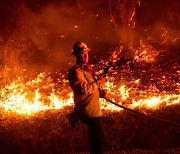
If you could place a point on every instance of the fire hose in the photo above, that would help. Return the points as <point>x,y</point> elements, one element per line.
<point>142,114</point>
<point>73,119</point>
<point>106,70</point>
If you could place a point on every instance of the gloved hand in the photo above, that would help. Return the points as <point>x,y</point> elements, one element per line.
<point>102,93</point>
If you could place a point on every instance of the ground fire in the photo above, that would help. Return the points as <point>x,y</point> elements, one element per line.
<point>143,72</point>
<point>43,93</point>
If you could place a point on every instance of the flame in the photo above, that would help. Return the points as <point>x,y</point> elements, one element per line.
<point>26,98</point>
<point>157,101</point>
<point>43,93</point>
<point>145,53</point>
<point>150,98</point>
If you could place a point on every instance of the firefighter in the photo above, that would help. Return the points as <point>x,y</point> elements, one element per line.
<point>87,91</point>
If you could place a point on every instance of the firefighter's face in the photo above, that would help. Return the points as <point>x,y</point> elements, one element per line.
<point>83,57</point>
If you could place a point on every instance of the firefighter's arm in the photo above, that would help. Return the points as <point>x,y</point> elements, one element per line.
<point>82,84</point>
<point>100,83</point>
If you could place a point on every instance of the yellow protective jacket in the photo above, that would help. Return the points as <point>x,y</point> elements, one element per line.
<point>86,93</point>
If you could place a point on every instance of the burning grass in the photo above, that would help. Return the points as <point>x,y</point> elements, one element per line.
<point>33,110</point>
<point>146,79</point>
<point>33,115</point>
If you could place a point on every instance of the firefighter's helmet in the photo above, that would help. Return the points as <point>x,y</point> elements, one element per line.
<point>79,47</point>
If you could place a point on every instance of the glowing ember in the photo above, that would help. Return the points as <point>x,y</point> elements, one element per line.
<point>34,96</point>
<point>28,98</point>
<point>46,93</point>
<point>124,92</point>
<point>157,101</point>
<point>145,53</point>
<point>150,98</point>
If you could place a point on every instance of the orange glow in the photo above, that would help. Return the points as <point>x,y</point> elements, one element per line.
<point>26,98</point>
<point>145,53</point>
<point>32,97</point>
<point>41,93</point>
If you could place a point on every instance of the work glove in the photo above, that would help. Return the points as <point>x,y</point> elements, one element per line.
<point>102,93</point>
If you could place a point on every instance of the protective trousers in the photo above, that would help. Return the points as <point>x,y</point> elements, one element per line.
<point>97,133</point>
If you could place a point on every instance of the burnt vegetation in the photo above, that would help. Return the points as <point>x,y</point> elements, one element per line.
<point>37,36</point>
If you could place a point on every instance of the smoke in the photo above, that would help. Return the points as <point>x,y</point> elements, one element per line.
<point>42,34</point>
<point>39,35</point>
<point>154,18</point>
